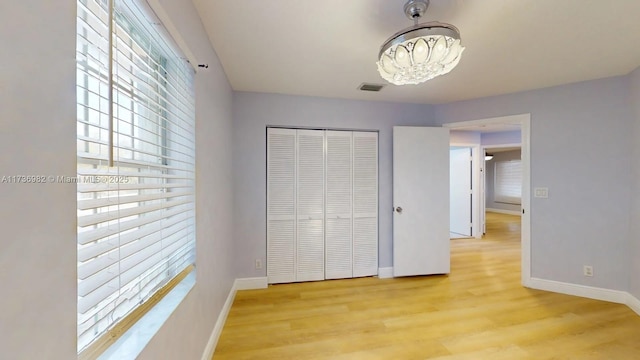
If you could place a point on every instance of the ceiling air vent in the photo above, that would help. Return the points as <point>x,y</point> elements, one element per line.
<point>370,87</point>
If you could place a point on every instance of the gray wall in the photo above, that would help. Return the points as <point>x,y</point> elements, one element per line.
<point>581,141</point>
<point>253,112</point>
<point>464,137</point>
<point>37,136</point>
<point>38,221</point>
<point>185,334</point>
<point>501,138</point>
<point>490,181</point>
<point>635,189</point>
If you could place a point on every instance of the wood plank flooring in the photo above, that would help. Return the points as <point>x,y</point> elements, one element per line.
<point>479,311</point>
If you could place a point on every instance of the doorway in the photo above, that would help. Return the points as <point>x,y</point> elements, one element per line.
<point>504,124</point>
<point>460,192</point>
<point>503,179</point>
<point>503,185</point>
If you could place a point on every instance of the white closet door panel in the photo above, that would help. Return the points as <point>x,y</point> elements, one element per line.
<point>339,201</point>
<point>339,249</point>
<point>281,212</point>
<point>365,203</point>
<point>281,251</point>
<point>310,201</point>
<point>310,250</point>
<point>365,249</point>
<point>339,167</point>
<point>365,173</point>
<point>310,205</point>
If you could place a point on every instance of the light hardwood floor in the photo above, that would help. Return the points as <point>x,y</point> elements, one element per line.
<point>479,311</point>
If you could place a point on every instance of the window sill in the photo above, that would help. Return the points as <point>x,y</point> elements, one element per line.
<point>132,342</point>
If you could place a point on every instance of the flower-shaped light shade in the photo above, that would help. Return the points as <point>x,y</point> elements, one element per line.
<point>420,53</point>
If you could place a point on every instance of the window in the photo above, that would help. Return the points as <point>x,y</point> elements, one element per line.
<point>136,163</point>
<point>508,182</point>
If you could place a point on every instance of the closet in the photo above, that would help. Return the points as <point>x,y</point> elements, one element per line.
<point>322,204</point>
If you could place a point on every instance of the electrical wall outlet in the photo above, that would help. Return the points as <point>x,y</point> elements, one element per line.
<point>588,270</point>
<point>258,264</point>
<point>541,192</point>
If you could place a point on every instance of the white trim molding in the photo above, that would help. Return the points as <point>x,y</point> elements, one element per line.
<point>615,296</point>
<point>590,292</point>
<point>238,284</point>
<point>251,283</point>
<point>217,329</point>
<point>633,303</point>
<point>385,273</point>
<point>501,211</point>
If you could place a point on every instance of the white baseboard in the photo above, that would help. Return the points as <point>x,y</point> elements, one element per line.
<point>590,292</point>
<point>251,283</point>
<point>633,303</point>
<point>501,211</point>
<point>615,296</point>
<point>385,273</point>
<point>238,284</point>
<point>217,329</point>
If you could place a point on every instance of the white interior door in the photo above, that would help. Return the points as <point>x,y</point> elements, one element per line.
<point>460,192</point>
<point>421,201</point>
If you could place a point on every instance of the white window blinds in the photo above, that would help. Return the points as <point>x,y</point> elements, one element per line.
<point>508,182</point>
<point>136,219</point>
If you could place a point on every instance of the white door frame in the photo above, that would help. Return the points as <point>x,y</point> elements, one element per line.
<point>475,185</point>
<point>524,120</point>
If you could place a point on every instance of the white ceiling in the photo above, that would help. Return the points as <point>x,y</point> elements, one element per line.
<point>327,48</point>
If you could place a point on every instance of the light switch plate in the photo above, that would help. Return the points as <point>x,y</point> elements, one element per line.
<point>541,192</point>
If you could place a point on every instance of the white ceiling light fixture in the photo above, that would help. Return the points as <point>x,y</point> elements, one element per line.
<point>420,52</point>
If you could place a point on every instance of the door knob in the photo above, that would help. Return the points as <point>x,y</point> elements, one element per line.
<point>399,210</point>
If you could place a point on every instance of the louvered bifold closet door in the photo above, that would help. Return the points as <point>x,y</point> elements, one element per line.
<point>281,205</point>
<point>365,203</point>
<point>338,210</point>
<point>310,205</point>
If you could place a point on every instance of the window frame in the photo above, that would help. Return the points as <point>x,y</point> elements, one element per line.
<point>167,154</point>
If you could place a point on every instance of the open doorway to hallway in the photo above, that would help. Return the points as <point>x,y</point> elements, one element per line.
<point>514,131</point>
<point>502,182</point>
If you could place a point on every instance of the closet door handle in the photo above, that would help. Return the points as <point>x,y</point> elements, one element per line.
<point>399,210</point>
